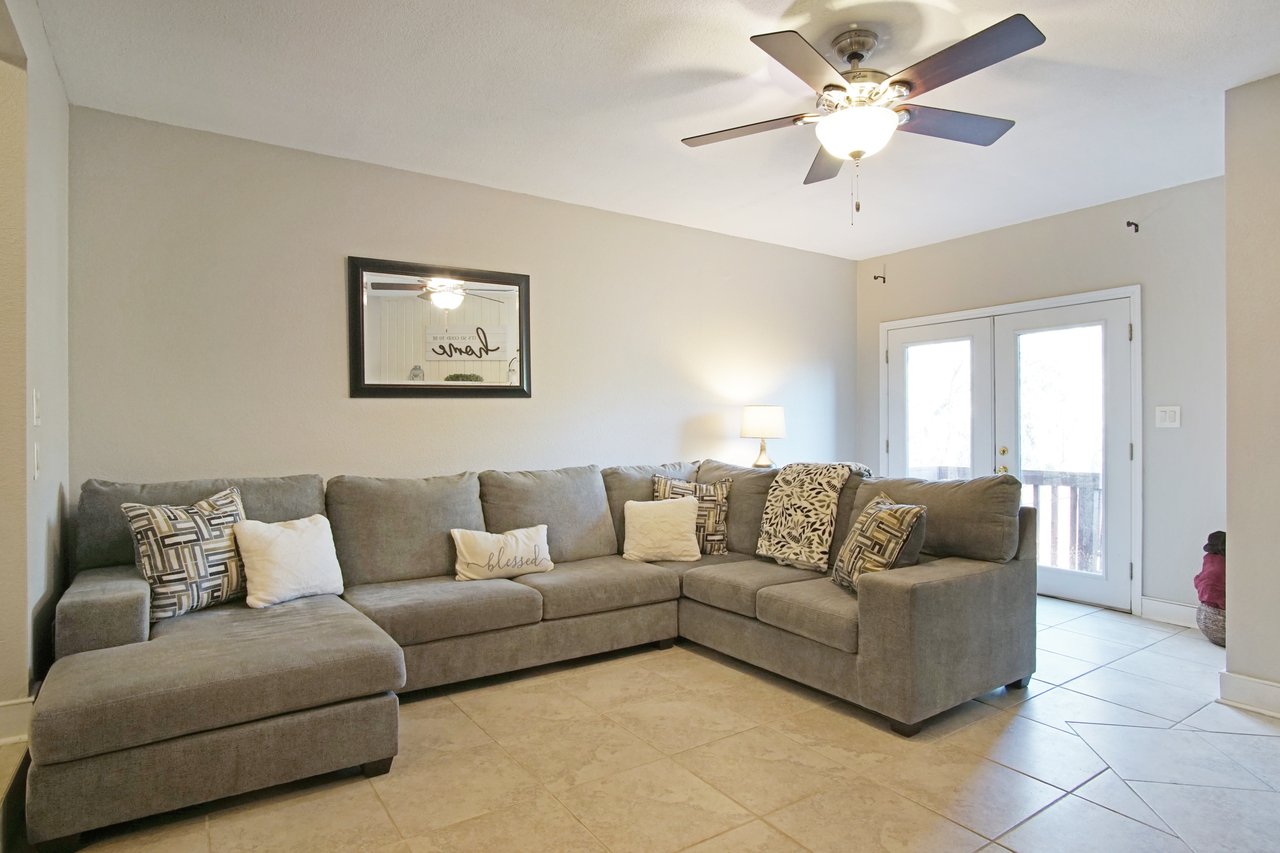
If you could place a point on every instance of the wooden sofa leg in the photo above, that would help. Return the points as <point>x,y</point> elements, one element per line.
<point>906,729</point>
<point>667,643</point>
<point>376,768</point>
<point>65,844</point>
<point>1020,684</point>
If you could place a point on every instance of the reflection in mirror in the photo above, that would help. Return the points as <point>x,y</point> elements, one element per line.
<point>434,331</point>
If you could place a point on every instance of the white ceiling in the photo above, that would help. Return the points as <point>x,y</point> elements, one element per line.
<point>586,101</point>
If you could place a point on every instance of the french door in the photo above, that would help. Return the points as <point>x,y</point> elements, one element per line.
<point>1044,395</point>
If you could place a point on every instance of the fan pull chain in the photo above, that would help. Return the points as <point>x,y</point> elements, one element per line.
<point>855,193</point>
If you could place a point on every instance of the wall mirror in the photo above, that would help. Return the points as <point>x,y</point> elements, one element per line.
<point>417,330</point>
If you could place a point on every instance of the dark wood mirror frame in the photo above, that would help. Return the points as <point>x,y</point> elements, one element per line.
<point>361,386</point>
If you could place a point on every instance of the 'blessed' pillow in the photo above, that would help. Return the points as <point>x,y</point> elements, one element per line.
<point>662,530</point>
<point>483,555</point>
<point>188,553</point>
<point>288,560</point>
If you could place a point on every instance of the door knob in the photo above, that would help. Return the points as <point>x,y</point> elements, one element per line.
<point>1003,469</point>
<point>1004,451</point>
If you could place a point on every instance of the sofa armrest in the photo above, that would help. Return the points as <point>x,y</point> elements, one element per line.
<point>935,635</point>
<point>102,608</point>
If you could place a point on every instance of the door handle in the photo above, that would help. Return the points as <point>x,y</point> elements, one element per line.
<point>1003,469</point>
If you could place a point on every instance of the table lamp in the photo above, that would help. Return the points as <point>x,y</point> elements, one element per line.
<point>763,422</point>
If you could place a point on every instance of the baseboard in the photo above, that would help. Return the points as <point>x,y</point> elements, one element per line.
<point>15,716</point>
<point>1251,694</point>
<point>1168,611</point>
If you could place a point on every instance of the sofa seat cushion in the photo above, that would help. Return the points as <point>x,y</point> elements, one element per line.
<point>210,669</point>
<point>733,586</point>
<point>601,584</point>
<point>682,568</point>
<point>817,609</point>
<point>427,609</point>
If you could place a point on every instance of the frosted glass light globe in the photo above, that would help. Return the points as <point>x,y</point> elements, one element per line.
<point>856,132</point>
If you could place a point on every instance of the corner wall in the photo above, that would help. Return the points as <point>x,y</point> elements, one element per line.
<point>14,643</point>
<point>46,345</point>
<point>1178,257</point>
<point>1253,395</point>
<point>208,320</point>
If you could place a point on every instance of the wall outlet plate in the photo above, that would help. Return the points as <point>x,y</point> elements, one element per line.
<point>1168,417</point>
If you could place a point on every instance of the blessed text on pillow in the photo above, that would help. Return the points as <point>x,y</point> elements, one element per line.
<point>483,555</point>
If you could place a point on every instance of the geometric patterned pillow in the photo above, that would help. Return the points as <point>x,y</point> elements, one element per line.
<point>876,540</point>
<point>800,514</point>
<point>713,508</point>
<point>188,553</point>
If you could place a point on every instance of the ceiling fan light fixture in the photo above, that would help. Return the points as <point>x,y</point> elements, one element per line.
<point>856,132</point>
<point>444,293</point>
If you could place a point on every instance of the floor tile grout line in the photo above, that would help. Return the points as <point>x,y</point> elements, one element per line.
<point>1172,722</point>
<point>1110,769</point>
<point>1159,782</point>
<point>1132,708</point>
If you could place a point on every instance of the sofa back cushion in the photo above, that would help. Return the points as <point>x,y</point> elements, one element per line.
<point>103,537</point>
<point>570,501</point>
<point>398,529</point>
<point>624,483</point>
<point>746,500</point>
<point>975,518</point>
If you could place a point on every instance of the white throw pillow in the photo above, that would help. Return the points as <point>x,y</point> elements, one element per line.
<point>288,560</point>
<point>484,555</point>
<point>662,530</point>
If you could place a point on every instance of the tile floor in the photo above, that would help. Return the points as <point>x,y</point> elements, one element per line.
<point>1117,745</point>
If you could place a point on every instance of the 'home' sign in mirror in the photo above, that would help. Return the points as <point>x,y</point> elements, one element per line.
<point>417,330</point>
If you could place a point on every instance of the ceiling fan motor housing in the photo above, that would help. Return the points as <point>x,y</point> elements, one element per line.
<point>854,46</point>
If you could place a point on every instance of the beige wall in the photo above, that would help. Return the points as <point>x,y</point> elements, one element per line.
<point>1253,393</point>
<point>208,320</point>
<point>47,371</point>
<point>13,385</point>
<point>1178,258</point>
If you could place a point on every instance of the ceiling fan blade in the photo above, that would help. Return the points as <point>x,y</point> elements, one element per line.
<point>949,124</point>
<point>799,57</point>
<point>743,130</point>
<point>995,44</point>
<point>395,285</point>
<point>825,167</point>
<point>475,295</point>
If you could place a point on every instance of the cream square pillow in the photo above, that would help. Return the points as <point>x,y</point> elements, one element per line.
<point>288,560</point>
<point>484,555</point>
<point>662,530</point>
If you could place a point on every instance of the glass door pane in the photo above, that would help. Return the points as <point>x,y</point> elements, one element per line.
<point>1061,434</point>
<point>938,416</point>
<point>939,397</point>
<point>1064,409</point>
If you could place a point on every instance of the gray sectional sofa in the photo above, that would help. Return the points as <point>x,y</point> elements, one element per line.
<point>136,718</point>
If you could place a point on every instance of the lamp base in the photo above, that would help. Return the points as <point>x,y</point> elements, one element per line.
<point>763,460</point>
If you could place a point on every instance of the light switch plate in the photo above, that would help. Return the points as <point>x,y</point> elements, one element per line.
<point>1168,417</point>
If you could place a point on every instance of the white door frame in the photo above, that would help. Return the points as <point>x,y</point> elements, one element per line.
<point>1134,293</point>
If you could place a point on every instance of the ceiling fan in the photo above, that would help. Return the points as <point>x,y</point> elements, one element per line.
<point>858,110</point>
<point>444,293</point>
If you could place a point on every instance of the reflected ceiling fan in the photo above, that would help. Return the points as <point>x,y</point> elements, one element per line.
<point>858,110</point>
<point>444,293</point>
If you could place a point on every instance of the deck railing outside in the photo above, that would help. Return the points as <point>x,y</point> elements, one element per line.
<point>1068,511</point>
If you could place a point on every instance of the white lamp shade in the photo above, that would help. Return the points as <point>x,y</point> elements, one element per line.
<point>763,422</point>
<point>856,132</point>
